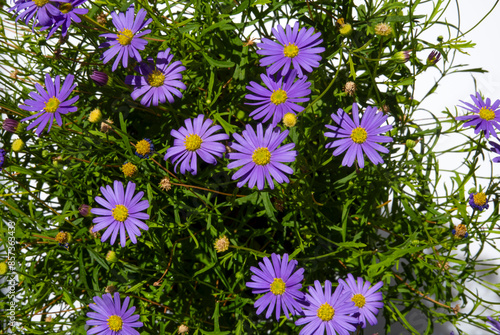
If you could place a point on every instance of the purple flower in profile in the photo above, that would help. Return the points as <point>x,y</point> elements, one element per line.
<point>99,78</point>
<point>496,149</point>
<point>122,213</point>
<point>278,97</point>
<point>494,323</point>
<point>3,153</point>
<point>280,283</point>
<point>127,41</point>
<point>356,137</point>
<point>42,11</point>
<point>111,317</point>
<point>157,82</point>
<point>196,139</point>
<point>327,311</point>
<point>68,13</point>
<point>260,157</point>
<point>51,103</point>
<point>486,116</point>
<point>295,47</point>
<point>478,201</point>
<point>366,299</point>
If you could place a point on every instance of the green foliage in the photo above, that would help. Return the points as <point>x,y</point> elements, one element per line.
<point>384,222</point>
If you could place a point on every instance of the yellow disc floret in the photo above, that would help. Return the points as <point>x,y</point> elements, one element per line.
<point>325,312</point>
<point>278,97</point>
<point>359,300</point>
<point>289,119</point>
<point>115,323</point>
<point>291,50</point>
<point>125,36</point>
<point>129,169</point>
<point>486,113</point>
<point>41,3</point>
<point>193,142</point>
<point>52,105</point>
<point>278,286</point>
<point>359,135</point>
<point>261,156</point>
<point>120,213</point>
<point>143,147</point>
<point>479,198</point>
<point>156,78</point>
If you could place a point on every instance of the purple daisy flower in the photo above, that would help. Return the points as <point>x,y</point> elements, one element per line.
<point>99,77</point>
<point>366,299</point>
<point>260,157</point>
<point>279,97</point>
<point>144,148</point>
<point>280,283</point>
<point>478,201</point>
<point>42,10</point>
<point>494,323</point>
<point>296,47</point>
<point>195,140</point>
<point>127,41</point>
<point>356,137</point>
<point>433,57</point>
<point>111,317</point>
<point>3,153</point>
<point>122,213</point>
<point>68,13</point>
<point>157,81</point>
<point>486,116</point>
<point>51,103</point>
<point>496,149</point>
<point>328,312</point>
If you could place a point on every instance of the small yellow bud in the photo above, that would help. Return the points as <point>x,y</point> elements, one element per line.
<point>111,257</point>
<point>289,120</point>
<point>17,145</point>
<point>222,244</point>
<point>95,116</point>
<point>3,268</point>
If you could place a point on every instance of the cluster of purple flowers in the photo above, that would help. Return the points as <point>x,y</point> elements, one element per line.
<point>49,14</point>
<point>353,303</point>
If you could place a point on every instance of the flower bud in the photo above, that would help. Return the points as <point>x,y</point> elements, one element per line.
<point>111,257</point>
<point>84,210</point>
<point>10,125</point>
<point>99,78</point>
<point>17,145</point>
<point>401,56</point>
<point>410,144</point>
<point>3,268</point>
<point>129,169</point>
<point>433,57</point>
<point>345,29</point>
<point>383,29</point>
<point>222,244</point>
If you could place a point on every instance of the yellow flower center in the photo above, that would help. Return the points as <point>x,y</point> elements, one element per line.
<point>115,323</point>
<point>95,116</point>
<point>359,135</point>
<point>278,286</point>
<point>65,8</point>
<point>290,50</point>
<point>125,36</point>
<point>289,119</point>
<point>129,169</point>
<point>156,78</point>
<point>325,312</point>
<point>120,213</point>
<point>261,156</point>
<point>486,113</point>
<point>143,147</point>
<point>359,300</point>
<point>193,142</point>
<point>52,105</point>
<point>479,198</point>
<point>41,3</point>
<point>278,97</point>
<point>383,29</point>
<point>62,237</point>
